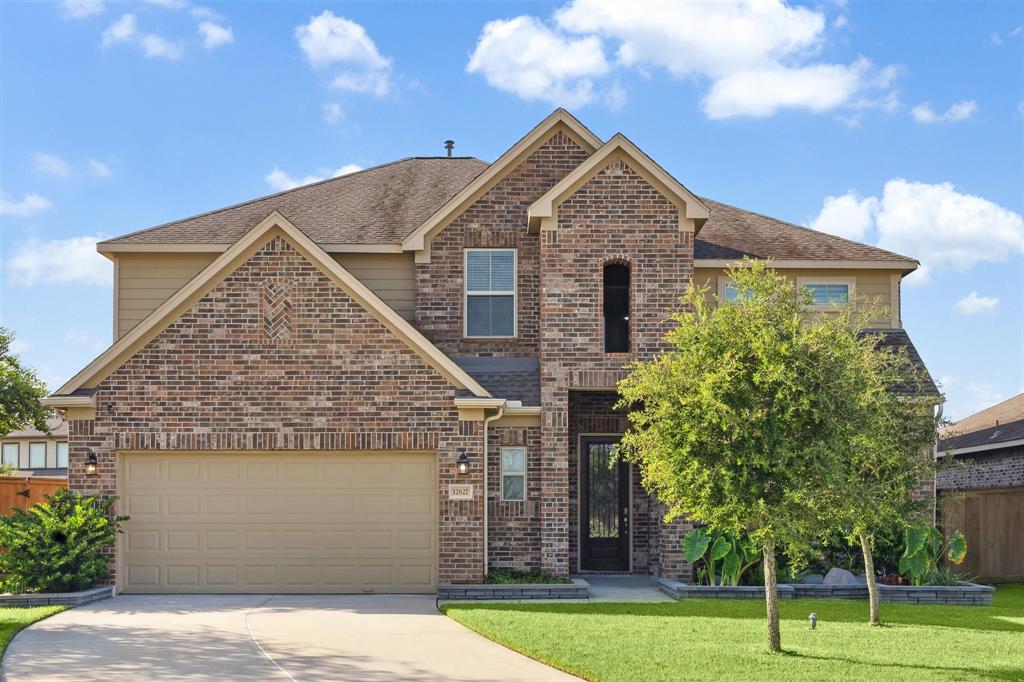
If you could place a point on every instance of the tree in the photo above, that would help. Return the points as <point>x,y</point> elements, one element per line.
<point>737,423</point>
<point>880,457</point>
<point>20,391</point>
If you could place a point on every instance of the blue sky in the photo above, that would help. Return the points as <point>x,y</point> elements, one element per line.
<point>900,124</point>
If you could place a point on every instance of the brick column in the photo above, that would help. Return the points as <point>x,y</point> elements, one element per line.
<point>554,494</point>
<point>461,523</point>
<point>672,563</point>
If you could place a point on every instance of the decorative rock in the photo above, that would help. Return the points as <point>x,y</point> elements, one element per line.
<point>840,576</point>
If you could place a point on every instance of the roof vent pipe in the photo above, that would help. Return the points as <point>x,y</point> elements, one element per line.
<point>449,145</point>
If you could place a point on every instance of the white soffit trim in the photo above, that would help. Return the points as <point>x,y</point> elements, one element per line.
<point>273,225</point>
<point>418,239</point>
<point>692,208</point>
<point>980,448</point>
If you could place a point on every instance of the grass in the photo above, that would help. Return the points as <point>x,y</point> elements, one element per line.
<point>727,639</point>
<point>12,620</point>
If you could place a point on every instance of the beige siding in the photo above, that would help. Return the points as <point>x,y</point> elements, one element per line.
<point>145,280</point>
<point>875,286</point>
<point>389,275</point>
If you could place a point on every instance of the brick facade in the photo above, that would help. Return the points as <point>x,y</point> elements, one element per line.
<point>1002,468</point>
<point>615,216</point>
<point>495,220</point>
<point>215,379</point>
<point>514,527</point>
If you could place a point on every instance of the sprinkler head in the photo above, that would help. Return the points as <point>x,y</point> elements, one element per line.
<point>814,620</point>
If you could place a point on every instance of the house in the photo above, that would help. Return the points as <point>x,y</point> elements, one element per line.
<point>407,375</point>
<point>31,452</point>
<point>980,484</point>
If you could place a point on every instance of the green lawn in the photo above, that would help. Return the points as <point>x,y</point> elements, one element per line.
<point>719,639</point>
<point>14,619</point>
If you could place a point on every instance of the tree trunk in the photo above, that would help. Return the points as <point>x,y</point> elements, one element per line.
<point>869,576</point>
<point>771,597</point>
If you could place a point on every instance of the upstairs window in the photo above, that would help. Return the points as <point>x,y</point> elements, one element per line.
<point>11,454</point>
<point>616,308</point>
<point>62,455</point>
<point>827,293</point>
<point>37,455</point>
<point>490,293</point>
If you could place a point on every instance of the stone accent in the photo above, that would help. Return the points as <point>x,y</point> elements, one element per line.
<point>615,216</point>
<point>57,598</point>
<point>496,220</point>
<point>1002,468</point>
<point>577,589</point>
<point>964,594</point>
<point>215,380</point>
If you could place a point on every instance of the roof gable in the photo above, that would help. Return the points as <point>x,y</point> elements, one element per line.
<point>692,211</point>
<point>270,227</point>
<point>560,119</point>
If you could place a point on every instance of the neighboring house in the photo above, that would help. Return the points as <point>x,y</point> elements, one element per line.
<point>980,484</point>
<point>36,453</point>
<point>305,388</point>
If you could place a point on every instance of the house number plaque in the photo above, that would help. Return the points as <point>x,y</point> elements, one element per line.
<point>460,491</point>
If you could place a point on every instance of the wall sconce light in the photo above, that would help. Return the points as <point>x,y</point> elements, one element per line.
<point>90,463</point>
<point>463,467</point>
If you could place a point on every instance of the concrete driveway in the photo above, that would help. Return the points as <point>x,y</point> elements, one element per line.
<point>256,637</point>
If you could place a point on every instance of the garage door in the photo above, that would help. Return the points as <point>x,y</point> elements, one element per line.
<point>250,523</point>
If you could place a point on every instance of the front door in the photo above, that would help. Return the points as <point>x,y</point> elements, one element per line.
<point>604,506</point>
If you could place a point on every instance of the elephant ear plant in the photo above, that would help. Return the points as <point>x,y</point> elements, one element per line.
<point>736,554</point>
<point>926,548</point>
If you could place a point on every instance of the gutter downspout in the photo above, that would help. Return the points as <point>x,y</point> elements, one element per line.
<point>487,504</point>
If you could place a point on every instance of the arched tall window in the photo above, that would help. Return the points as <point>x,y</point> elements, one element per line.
<point>616,308</point>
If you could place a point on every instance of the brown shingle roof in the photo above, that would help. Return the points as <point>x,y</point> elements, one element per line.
<point>382,205</point>
<point>732,233</point>
<point>379,205</point>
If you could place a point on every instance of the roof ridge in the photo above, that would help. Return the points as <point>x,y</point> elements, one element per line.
<point>812,230</point>
<point>262,198</point>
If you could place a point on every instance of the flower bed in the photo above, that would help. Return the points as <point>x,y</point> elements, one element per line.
<point>963,594</point>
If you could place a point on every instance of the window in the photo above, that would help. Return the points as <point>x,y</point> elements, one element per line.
<point>826,293</point>
<point>730,293</point>
<point>616,308</point>
<point>11,454</point>
<point>490,292</point>
<point>513,474</point>
<point>62,455</point>
<point>37,455</point>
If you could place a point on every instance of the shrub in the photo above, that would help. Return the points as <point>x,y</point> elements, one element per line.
<point>507,576</point>
<point>56,546</point>
<point>925,548</point>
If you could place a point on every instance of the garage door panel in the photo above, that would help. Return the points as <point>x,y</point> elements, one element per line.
<point>243,523</point>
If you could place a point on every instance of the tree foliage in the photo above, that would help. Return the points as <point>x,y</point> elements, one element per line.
<point>20,391</point>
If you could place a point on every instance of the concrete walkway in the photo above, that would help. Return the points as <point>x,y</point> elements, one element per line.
<point>254,637</point>
<point>624,588</point>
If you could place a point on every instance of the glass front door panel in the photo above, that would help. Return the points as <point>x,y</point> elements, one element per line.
<point>603,491</point>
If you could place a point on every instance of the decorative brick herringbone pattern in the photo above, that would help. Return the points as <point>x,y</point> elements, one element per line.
<point>277,310</point>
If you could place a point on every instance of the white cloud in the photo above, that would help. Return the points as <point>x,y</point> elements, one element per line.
<point>757,56</point>
<point>966,398</point>
<point>848,216</point>
<point>99,169</point>
<point>79,9</point>
<point>215,35</point>
<point>18,346</point>
<point>280,180</point>
<point>934,223</point>
<point>332,42</point>
<point>525,57</point>
<point>84,338</point>
<point>51,164</point>
<point>960,111</point>
<point>29,205</point>
<point>973,304</point>
<point>154,46</point>
<point>59,261</point>
<point>333,113</point>
<point>120,31</point>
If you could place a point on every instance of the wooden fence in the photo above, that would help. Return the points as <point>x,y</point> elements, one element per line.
<point>992,520</point>
<point>24,491</point>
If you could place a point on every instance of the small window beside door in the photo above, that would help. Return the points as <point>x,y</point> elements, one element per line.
<point>616,308</point>
<point>37,455</point>
<point>62,455</point>
<point>513,474</point>
<point>490,293</point>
